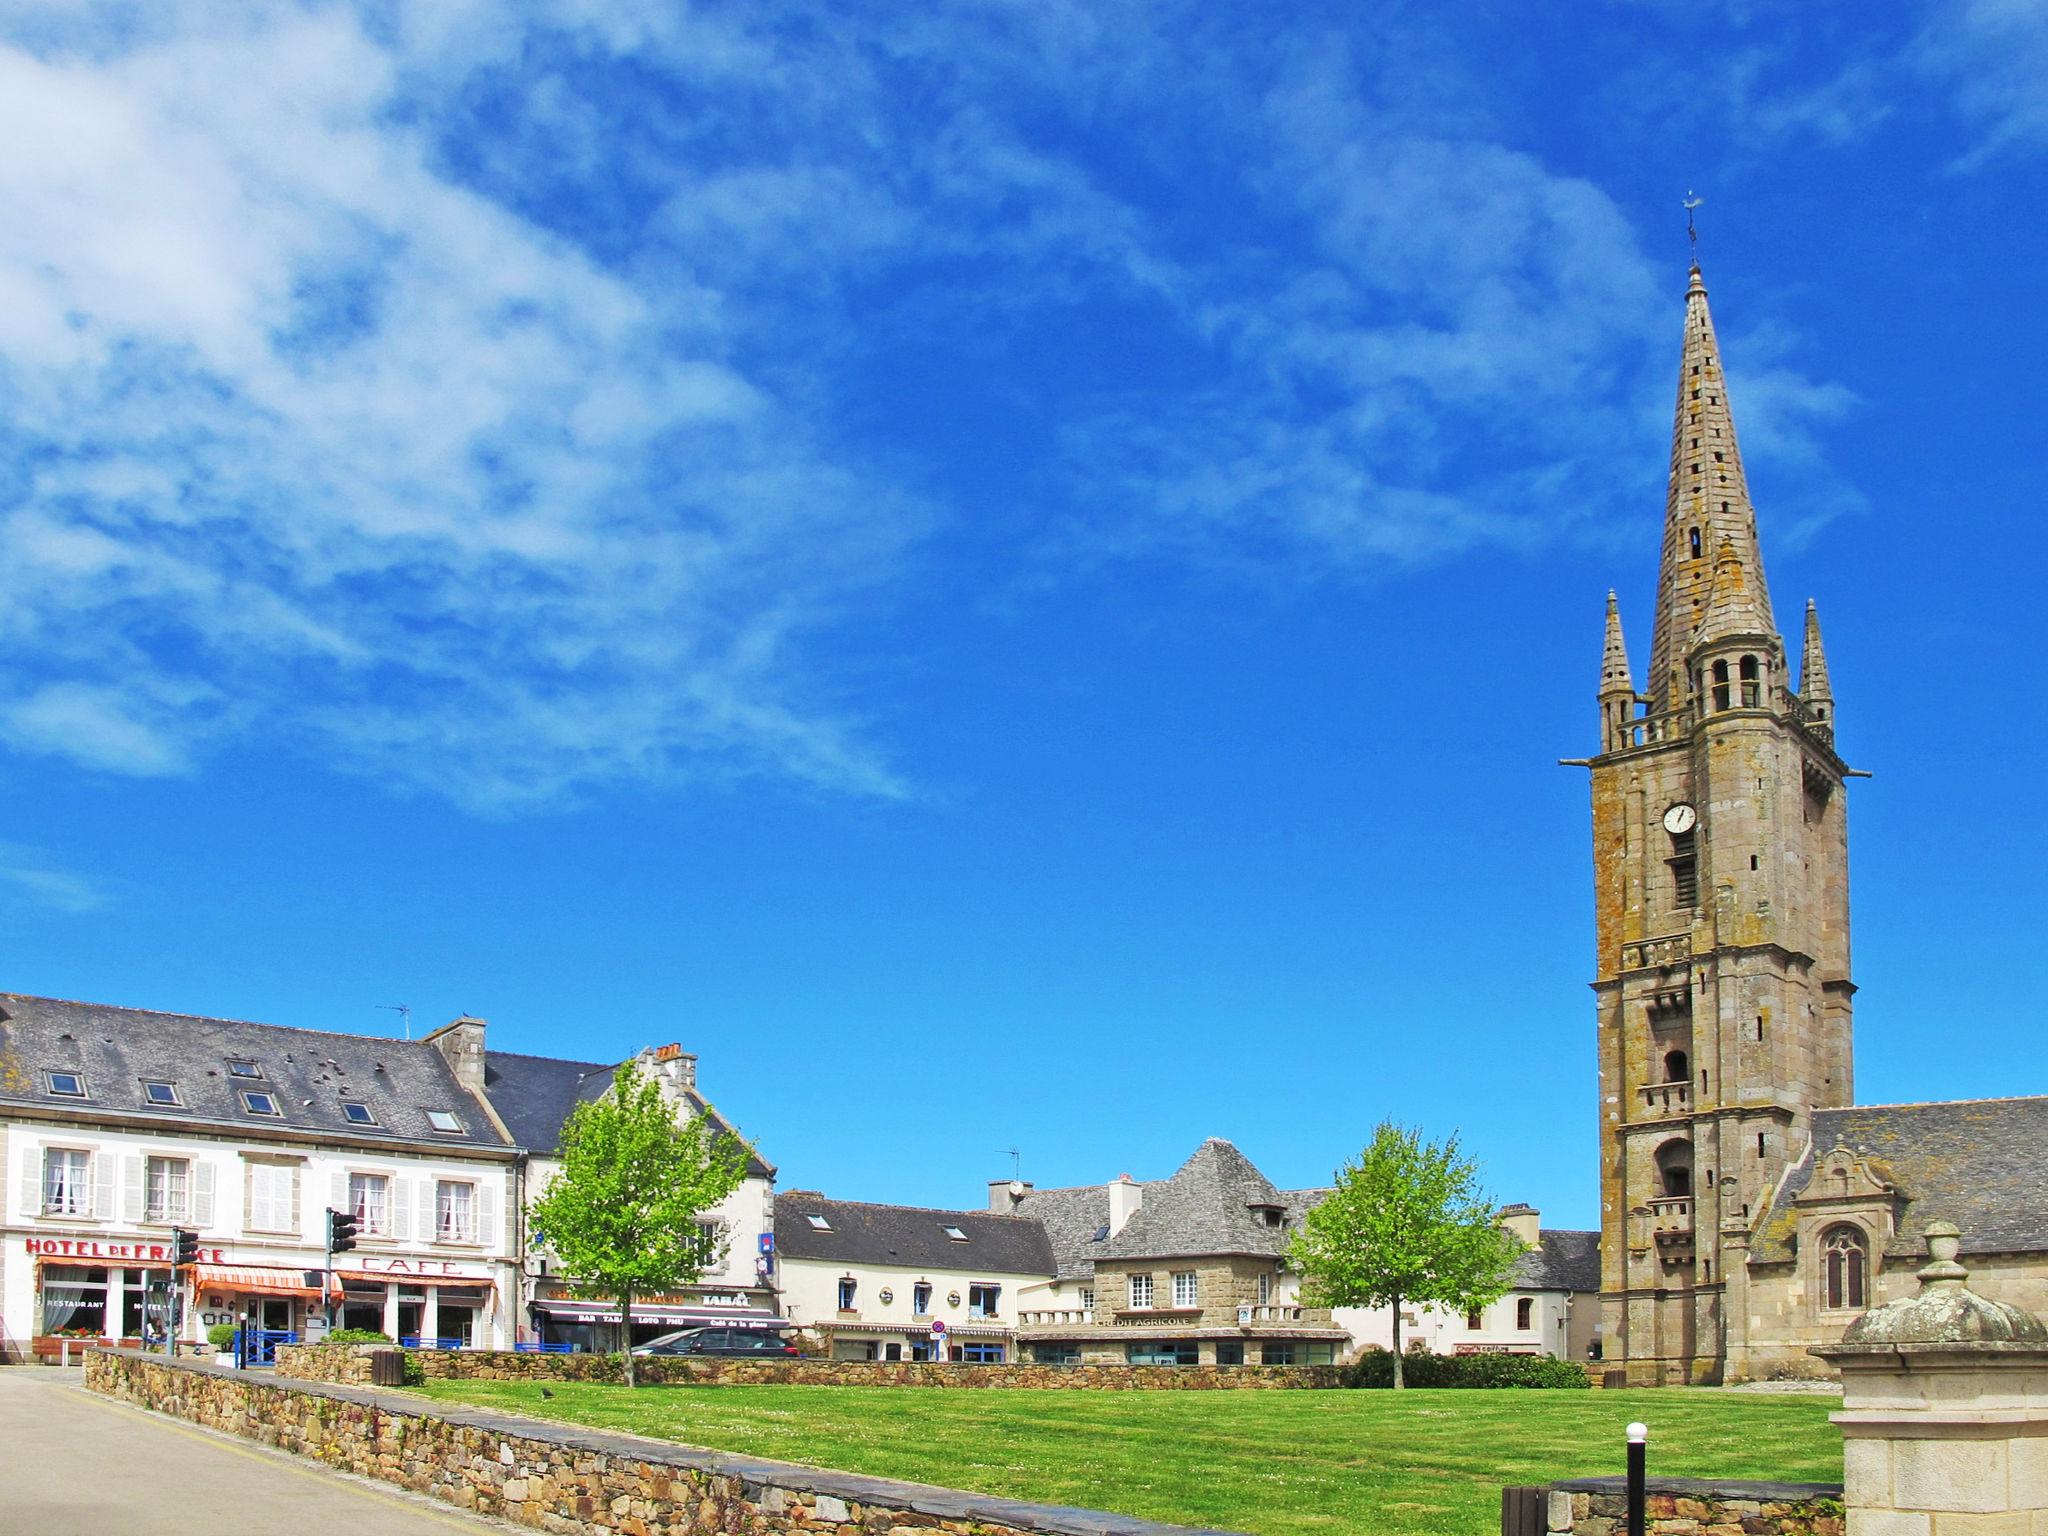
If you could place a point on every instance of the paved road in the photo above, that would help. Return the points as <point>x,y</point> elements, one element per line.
<point>74,1464</point>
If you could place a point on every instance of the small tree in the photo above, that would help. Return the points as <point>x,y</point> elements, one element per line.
<point>622,1214</point>
<point>1406,1222</point>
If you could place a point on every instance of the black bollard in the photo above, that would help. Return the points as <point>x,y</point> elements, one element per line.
<point>1638,1445</point>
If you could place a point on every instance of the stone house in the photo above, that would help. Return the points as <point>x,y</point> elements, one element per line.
<point>1184,1270</point>
<point>897,1282</point>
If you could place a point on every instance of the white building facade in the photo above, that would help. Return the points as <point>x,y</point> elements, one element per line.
<point>118,1126</point>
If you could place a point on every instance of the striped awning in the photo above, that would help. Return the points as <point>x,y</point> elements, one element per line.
<point>571,1310</point>
<point>258,1280</point>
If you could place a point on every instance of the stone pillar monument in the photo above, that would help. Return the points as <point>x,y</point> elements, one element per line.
<point>1944,1410</point>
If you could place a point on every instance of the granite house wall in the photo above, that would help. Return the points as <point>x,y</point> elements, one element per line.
<point>1674,1506</point>
<point>350,1363</point>
<point>566,1479</point>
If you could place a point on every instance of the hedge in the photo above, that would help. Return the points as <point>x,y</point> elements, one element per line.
<point>1375,1368</point>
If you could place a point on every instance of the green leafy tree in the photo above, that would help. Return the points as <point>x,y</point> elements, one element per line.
<point>622,1214</point>
<point>1407,1222</point>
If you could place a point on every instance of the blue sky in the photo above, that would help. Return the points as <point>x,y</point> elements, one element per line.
<point>1012,575</point>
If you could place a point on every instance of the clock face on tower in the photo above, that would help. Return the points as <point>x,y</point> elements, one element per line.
<point>1680,819</point>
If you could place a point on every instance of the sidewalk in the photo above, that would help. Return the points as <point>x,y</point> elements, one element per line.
<point>73,1464</point>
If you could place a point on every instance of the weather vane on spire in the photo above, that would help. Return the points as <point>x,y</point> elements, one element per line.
<point>1692,233</point>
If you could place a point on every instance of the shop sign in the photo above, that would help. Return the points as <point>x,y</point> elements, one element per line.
<point>111,1253</point>
<point>438,1268</point>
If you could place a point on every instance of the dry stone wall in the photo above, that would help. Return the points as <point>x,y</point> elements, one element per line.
<point>570,1480</point>
<point>1675,1506</point>
<point>351,1363</point>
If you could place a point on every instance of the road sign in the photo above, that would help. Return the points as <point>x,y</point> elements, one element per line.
<point>938,1327</point>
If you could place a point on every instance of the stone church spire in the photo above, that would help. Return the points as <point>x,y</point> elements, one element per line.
<point>1814,686</point>
<point>1706,508</point>
<point>1615,674</point>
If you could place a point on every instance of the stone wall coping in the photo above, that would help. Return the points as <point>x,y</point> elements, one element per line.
<point>1706,1488</point>
<point>857,1487</point>
<point>1991,1353</point>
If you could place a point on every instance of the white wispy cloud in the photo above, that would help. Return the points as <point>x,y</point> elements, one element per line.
<point>41,882</point>
<point>1993,56</point>
<point>457,394</point>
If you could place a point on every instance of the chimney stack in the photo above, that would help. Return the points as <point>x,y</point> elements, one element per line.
<point>674,1067</point>
<point>461,1044</point>
<point>1525,1221</point>
<point>1125,1196</point>
<point>1005,1195</point>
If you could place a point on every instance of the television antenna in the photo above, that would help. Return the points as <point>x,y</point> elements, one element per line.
<point>404,1012</point>
<point>1016,1162</point>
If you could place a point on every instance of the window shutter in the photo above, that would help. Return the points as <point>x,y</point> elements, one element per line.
<point>337,1191</point>
<point>132,1176</point>
<point>103,1185</point>
<point>202,1194</point>
<point>32,1182</point>
<point>487,1214</point>
<point>401,1207</point>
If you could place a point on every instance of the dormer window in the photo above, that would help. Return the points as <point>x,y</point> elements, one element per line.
<point>818,1223</point>
<point>955,1234</point>
<point>444,1122</point>
<point>357,1114</point>
<point>241,1067</point>
<point>260,1103</point>
<point>161,1095</point>
<point>67,1085</point>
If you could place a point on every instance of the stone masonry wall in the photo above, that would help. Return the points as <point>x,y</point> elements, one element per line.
<point>350,1363</point>
<point>1677,1506</point>
<point>559,1478</point>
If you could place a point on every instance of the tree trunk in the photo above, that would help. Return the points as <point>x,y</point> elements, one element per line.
<point>1398,1382</point>
<point>626,1334</point>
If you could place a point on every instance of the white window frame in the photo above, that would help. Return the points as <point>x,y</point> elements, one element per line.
<point>373,1215</point>
<point>169,1197</point>
<point>991,1299</point>
<point>1141,1293</point>
<point>1187,1288</point>
<point>67,1196</point>
<point>1265,1290</point>
<point>454,1214</point>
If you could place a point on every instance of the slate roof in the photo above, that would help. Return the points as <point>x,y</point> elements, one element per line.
<point>910,1236</point>
<point>1561,1261</point>
<point>1072,1219</point>
<point>118,1049</point>
<point>1209,1206</point>
<point>535,1094</point>
<point>1980,1163</point>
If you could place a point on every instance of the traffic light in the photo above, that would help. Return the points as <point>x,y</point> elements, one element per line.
<point>342,1227</point>
<point>184,1247</point>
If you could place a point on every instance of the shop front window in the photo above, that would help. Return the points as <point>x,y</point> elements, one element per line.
<point>74,1300</point>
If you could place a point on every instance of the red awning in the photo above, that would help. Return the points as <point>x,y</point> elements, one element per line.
<point>257,1280</point>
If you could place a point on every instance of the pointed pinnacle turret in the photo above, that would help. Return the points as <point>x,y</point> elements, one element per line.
<point>1814,686</point>
<point>1706,506</point>
<point>1734,605</point>
<point>1615,673</point>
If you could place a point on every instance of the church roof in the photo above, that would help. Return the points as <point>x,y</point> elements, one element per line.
<point>1981,1164</point>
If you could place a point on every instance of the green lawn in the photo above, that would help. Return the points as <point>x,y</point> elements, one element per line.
<point>1266,1462</point>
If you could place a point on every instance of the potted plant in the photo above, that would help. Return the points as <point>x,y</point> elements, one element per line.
<point>222,1337</point>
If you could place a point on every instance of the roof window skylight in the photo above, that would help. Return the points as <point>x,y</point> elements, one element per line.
<point>444,1121</point>
<point>954,1233</point>
<point>357,1114</point>
<point>818,1223</point>
<point>162,1095</point>
<point>259,1103</point>
<point>70,1085</point>
<point>238,1067</point>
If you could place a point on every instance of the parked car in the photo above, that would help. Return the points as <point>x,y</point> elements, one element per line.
<point>759,1342</point>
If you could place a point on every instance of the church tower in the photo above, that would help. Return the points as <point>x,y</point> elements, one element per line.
<point>1721,902</point>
